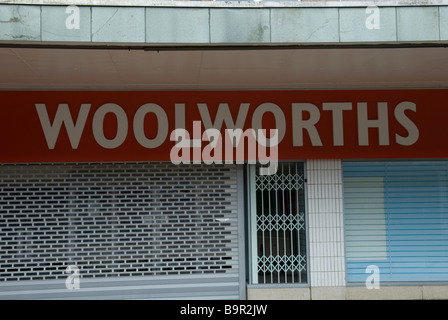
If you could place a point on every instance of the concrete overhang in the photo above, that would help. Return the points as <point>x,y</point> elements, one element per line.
<point>103,69</point>
<point>222,46</point>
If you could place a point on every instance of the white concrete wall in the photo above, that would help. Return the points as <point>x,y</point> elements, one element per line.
<point>234,4</point>
<point>325,223</point>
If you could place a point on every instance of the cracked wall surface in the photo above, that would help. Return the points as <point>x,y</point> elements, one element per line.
<point>221,25</point>
<point>20,22</point>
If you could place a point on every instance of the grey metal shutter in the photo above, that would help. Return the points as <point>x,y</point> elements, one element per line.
<point>134,230</point>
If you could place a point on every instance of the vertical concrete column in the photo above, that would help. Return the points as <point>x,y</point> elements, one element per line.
<point>325,221</point>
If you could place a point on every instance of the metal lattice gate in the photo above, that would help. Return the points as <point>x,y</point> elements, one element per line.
<point>278,225</point>
<point>134,230</point>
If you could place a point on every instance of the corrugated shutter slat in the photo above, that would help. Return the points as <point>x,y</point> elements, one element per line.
<point>396,217</point>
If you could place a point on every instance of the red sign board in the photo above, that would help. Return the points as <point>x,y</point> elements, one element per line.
<point>70,126</point>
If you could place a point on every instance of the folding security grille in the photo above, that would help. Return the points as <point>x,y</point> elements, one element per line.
<point>278,225</point>
<point>117,220</point>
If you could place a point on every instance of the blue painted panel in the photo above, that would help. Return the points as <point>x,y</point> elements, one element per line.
<point>416,211</point>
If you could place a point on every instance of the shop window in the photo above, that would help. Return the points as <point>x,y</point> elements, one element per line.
<point>277,225</point>
<point>396,220</point>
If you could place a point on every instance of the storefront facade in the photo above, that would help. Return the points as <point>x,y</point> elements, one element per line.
<point>121,181</point>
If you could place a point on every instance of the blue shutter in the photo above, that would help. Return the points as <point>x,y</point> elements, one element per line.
<point>396,217</point>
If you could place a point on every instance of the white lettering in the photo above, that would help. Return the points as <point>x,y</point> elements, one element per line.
<point>214,147</point>
<point>98,123</point>
<point>410,126</point>
<point>280,122</point>
<point>63,116</point>
<point>188,310</point>
<point>338,126</point>
<point>305,119</point>
<point>72,281</point>
<point>212,153</point>
<point>139,125</point>
<point>235,138</point>
<point>263,157</point>
<point>223,115</point>
<point>381,123</point>
<point>298,124</point>
<point>373,21</point>
<point>179,109</point>
<point>72,21</point>
<point>197,142</point>
<point>182,146</point>
<point>373,280</point>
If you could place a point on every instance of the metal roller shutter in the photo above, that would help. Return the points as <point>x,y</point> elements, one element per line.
<point>134,230</point>
<point>396,218</point>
